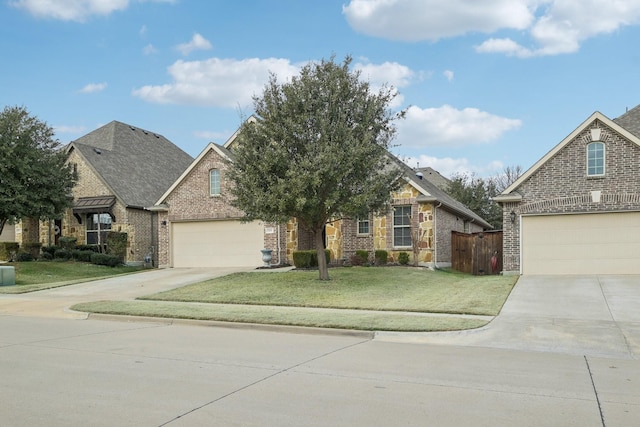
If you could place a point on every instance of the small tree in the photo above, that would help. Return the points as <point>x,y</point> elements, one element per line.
<point>35,180</point>
<point>316,151</point>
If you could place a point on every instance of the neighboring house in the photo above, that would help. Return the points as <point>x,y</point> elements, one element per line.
<point>122,170</point>
<point>577,210</point>
<point>8,233</point>
<point>199,228</point>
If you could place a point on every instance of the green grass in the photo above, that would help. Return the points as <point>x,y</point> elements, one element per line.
<point>292,316</point>
<point>362,288</point>
<point>37,275</point>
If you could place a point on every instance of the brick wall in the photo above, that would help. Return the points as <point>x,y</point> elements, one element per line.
<point>561,185</point>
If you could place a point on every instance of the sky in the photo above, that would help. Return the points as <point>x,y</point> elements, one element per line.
<point>486,84</point>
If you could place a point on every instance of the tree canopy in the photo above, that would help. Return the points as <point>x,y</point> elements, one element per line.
<point>316,151</point>
<point>35,180</point>
<point>477,193</point>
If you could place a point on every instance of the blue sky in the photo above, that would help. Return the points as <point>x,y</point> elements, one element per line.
<point>487,84</point>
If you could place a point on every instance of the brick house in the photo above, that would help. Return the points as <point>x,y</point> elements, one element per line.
<point>198,227</point>
<point>577,209</point>
<point>122,170</point>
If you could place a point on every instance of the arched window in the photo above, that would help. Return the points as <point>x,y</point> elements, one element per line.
<point>214,182</point>
<point>595,159</point>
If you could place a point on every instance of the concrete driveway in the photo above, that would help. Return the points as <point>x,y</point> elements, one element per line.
<point>582,315</point>
<point>56,302</point>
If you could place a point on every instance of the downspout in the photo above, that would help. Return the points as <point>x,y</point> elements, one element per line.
<point>279,245</point>
<point>435,236</point>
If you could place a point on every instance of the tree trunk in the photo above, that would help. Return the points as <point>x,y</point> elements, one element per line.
<point>322,261</point>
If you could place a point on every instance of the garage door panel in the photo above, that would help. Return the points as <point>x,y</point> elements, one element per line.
<point>217,244</point>
<point>607,243</point>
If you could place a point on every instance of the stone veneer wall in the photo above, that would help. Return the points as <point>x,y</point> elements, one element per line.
<point>561,186</point>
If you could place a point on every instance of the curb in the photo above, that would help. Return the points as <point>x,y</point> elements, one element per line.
<point>235,325</point>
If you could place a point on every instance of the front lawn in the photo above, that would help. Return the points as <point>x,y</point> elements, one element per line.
<point>364,288</point>
<point>37,275</point>
<point>359,298</point>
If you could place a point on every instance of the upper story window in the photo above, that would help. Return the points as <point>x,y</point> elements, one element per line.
<point>595,159</point>
<point>402,226</point>
<point>214,182</point>
<point>363,226</point>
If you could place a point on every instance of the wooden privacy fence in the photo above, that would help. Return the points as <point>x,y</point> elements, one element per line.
<point>473,253</point>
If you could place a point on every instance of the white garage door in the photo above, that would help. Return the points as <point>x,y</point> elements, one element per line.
<point>217,244</point>
<point>607,243</point>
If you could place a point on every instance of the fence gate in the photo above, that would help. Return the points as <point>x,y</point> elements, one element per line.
<point>472,253</point>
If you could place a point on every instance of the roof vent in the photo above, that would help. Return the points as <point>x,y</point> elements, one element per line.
<point>97,151</point>
<point>419,175</point>
<point>132,128</point>
<point>156,135</point>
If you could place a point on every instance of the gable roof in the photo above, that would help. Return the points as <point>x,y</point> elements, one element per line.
<point>508,196</point>
<point>431,193</point>
<point>212,146</point>
<point>435,177</point>
<point>630,120</point>
<point>137,165</point>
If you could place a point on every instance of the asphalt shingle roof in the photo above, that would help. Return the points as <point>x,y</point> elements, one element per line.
<point>137,164</point>
<point>630,120</point>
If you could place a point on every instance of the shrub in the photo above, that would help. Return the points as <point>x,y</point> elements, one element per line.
<point>46,256</point>
<point>308,259</point>
<point>67,242</point>
<point>403,258</point>
<point>51,250</point>
<point>63,254</point>
<point>105,259</point>
<point>92,248</point>
<point>356,260</point>
<point>381,257</point>
<point>7,249</point>
<point>33,248</point>
<point>117,244</point>
<point>23,256</point>
<point>82,256</point>
<point>364,255</point>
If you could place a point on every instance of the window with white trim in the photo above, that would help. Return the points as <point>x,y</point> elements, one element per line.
<point>363,226</point>
<point>595,159</point>
<point>402,226</point>
<point>98,224</point>
<point>214,182</point>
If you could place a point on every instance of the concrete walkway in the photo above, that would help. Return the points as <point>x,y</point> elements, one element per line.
<point>580,315</point>
<point>55,302</point>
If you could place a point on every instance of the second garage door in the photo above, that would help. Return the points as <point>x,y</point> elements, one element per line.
<point>606,243</point>
<point>217,244</point>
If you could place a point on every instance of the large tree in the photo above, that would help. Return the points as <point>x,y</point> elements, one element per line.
<point>35,180</point>
<point>477,193</point>
<point>316,151</point>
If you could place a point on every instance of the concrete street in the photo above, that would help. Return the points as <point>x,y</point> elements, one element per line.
<point>564,351</point>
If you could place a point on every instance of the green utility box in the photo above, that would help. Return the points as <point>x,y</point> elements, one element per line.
<point>7,275</point>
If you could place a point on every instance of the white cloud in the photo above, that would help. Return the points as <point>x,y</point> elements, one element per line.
<point>451,127</point>
<point>197,43</point>
<point>143,31</point>
<point>414,20</point>
<point>210,135</point>
<point>389,73</point>
<point>94,87</point>
<point>149,49</point>
<point>552,27</point>
<point>70,10</point>
<point>217,82</point>
<point>448,166</point>
<point>448,74</point>
<point>74,10</point>
<point>69,129</point>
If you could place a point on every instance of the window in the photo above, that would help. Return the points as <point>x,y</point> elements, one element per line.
<point>595,159</point>
<point>97,226</point>
<point>363,226</point>
<point>402,226</point>
<point>214,182</point>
